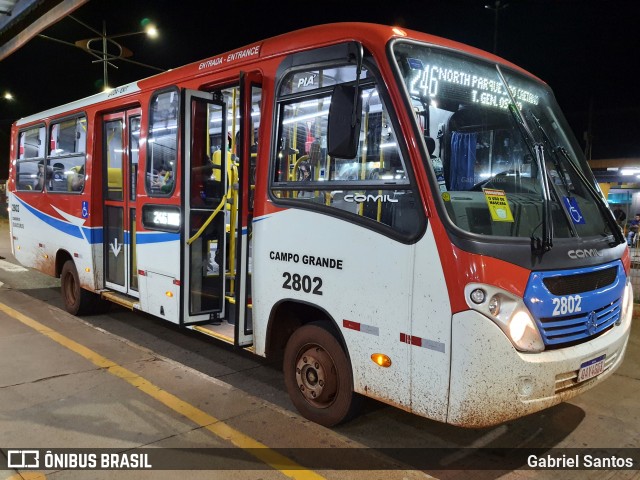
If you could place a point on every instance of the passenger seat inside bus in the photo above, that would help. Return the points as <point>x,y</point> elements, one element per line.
<point>114,178</point>
<point>75,180</point>
<point>58,183</point>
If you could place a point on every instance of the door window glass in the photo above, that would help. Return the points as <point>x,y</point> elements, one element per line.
<point>134,154</point>
<point>162,144</point>
<point>113,156</point>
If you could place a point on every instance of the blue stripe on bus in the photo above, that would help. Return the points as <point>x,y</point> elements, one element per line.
<point>93,235</point>
<point>146,238</point>
<point>96,235</point>
<point>61,225</point>
<point>245,230</point>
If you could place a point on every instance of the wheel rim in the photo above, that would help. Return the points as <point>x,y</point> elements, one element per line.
<point>316,376</point>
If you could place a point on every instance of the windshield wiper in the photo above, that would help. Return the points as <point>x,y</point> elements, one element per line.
<point>561,174</point>
<point>544,244</point>
<point>554,153</point>
<point>604,210</point>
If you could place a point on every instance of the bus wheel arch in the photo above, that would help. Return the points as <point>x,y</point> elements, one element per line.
<point>61,258</point>
<point>286,317</point>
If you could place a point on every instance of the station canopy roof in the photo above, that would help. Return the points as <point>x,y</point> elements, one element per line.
<point>21,20</point>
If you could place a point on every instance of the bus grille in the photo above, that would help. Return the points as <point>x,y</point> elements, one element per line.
<point>579,283</point>
<point>560,332</point>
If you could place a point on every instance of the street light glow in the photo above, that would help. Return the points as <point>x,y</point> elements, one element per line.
<point>152,31</point>
<point>7,96</point>
<point>106,48</point>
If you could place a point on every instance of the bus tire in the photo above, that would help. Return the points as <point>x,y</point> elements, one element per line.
<point>77,300</point>
<point>318,376</point>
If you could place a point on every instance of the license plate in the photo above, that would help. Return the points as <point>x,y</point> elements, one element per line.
<point>591,368</point>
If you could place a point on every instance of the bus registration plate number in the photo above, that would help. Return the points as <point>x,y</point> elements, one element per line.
<point>591,368</point>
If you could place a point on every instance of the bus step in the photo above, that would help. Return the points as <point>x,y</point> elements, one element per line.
<point>121,299</point>
<point>224,332</point>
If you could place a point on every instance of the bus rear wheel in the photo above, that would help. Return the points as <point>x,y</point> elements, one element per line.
<point>77,300</point>
<point>318,376</point>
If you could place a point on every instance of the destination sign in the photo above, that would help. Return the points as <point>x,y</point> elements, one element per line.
<point>434,80</point>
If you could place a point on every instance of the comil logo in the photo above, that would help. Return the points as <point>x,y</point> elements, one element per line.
<point>575,254</point>
<point>23,459</point>
<point>362,198</point>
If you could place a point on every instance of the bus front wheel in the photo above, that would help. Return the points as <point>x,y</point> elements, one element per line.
<point>318,376</point>
<point>77,300</point>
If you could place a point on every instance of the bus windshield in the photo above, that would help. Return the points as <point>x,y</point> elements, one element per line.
<point>501,171</point>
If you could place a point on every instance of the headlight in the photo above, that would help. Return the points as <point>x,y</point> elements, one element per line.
<point>509,313</point>
<point>627,302</point>
<point>518,326</point>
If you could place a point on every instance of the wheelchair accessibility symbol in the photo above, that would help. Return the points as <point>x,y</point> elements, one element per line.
<point>574,210</point>
<point>85,209</point>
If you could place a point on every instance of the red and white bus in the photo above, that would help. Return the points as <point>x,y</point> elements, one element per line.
<point>393,214</point>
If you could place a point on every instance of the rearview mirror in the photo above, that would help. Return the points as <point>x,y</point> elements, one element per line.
<point>343,131</point>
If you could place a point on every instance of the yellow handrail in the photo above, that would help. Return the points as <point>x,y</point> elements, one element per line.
<point>296,164</point>
<point>215,212</point>
<point>232,175</point>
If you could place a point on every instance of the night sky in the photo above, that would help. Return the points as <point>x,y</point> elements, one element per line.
<point>587,51</point>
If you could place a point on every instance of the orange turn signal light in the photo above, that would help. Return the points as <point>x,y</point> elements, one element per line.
<point>381,359</point>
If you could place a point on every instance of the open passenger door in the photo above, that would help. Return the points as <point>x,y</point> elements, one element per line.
<point>205,191</point>
<point>220,153</point>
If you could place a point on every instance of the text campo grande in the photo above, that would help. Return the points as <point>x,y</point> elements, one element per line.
<point>579,461</point>
<point>111,461</point>
<point>312,260</point>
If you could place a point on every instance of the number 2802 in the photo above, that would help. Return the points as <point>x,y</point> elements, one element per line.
<point>305,283</point>
<point>564,305</point>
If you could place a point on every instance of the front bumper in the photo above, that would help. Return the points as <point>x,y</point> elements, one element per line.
<point>492,382</point>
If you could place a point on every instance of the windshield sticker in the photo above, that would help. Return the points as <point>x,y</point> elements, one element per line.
<point>415,63</point>
<point>498,205</point>
<point>572,207</point>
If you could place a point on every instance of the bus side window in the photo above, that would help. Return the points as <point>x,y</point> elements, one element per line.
<point>30,160</point>
<point>374,185</point>
<point>67,147</point>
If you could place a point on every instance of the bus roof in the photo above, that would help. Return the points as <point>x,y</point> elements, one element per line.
<point>311,37</point>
